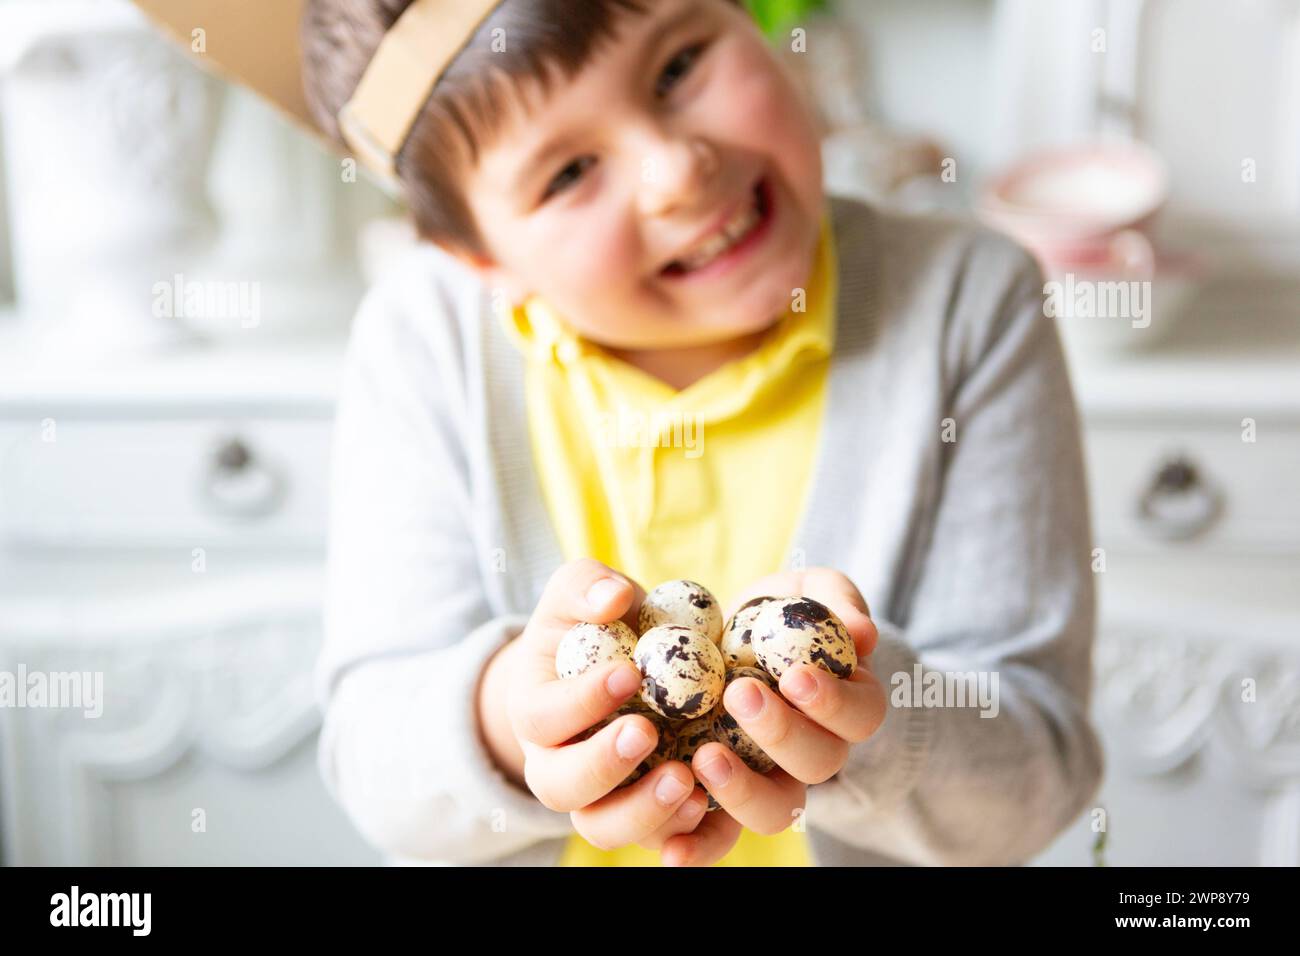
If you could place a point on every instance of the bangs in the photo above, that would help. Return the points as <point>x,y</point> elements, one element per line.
<point>517,56</point>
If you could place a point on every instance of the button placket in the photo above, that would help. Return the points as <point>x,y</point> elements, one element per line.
<point>683,487</point>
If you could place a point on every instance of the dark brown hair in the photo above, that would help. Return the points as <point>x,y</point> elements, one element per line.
<point>470,100</point>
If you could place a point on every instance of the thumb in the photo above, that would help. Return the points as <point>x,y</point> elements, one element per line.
<point>581,590</point>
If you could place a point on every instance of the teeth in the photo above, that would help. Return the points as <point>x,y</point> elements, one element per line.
<point>728,236</point>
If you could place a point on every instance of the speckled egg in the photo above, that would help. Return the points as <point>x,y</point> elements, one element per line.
<point>799,630</point>
<point>736,648</point>
<point>681,671</point>
<point>586,645</point>
<point>685,603</point>
<point>727,731</point>
<point>693,735</point>
<point>664,749</point>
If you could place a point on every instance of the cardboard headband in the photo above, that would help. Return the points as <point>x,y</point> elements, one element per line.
<point>257,43</point>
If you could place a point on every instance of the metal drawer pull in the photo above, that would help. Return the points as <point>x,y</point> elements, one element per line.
<point>1179,504</point>
<point>240,485</point>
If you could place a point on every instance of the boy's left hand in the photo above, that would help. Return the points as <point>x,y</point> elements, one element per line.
<point>808,741</point>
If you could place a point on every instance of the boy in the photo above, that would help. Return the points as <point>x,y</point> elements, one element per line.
<point>627,220</point>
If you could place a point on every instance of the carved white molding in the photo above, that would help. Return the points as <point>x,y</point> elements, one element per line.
<point>239,697</point>
<point>1167,694</point>
<point>1174,695</point>
<point>1154,686</point>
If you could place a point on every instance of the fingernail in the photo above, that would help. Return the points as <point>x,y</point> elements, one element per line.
<point>622,682</point>
<point>603,591</point>
<point>746,701</point>
<point>716,772</point>
<point>690,811</point>
<point>669,790</point>
<point>632,742</point>
<point>801,686</point>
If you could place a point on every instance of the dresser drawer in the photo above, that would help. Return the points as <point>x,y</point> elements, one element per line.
<point>1195,487</point>
<point>190,483</point>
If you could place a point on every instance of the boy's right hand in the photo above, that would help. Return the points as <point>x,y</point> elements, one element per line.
<point>580,778</point>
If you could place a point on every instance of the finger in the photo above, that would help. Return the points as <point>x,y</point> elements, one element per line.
<point>826,586</point>
<point>781,584</point>
<point>570,777</point>
<point>852,709</point>
<point>833,584</point>
<point>551,712</point>
<point>865,633</point>
<point>685,820</point>
<point>630,618</point>
<point>704,846</point>
<point>842,596</point>
<point>581,590</point>
<point>807,751</point>
<point>765,803</point>
<point>634,814</point>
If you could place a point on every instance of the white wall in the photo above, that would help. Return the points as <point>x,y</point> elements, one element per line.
<point>929,69</point>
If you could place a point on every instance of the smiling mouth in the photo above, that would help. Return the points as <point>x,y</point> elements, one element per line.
<point>741,227</point>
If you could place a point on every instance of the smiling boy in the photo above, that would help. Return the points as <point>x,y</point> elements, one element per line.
<point>625,215</point>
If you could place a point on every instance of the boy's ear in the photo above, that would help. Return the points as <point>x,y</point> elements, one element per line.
<point>492,275</point>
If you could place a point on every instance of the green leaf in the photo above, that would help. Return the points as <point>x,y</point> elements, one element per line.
<point>773,16</point>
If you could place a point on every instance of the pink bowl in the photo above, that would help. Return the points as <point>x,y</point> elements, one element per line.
<point>1069,203</point>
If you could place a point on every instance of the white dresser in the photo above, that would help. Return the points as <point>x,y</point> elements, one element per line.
<point>1194,463</point>
<point>162,522</point>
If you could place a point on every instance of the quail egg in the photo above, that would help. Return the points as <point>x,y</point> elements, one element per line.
<point>799,630</point>
<point>685,603</point>
<point>736,648</point>
<point>586,645</point>
<point>681,669</point>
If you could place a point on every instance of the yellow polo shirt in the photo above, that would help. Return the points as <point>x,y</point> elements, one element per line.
<point>706,483</point>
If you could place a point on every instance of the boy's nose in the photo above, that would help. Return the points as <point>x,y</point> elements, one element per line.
<point>676,176</point>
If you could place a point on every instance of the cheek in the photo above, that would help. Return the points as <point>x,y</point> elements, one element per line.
<point>759,111</point>
<point>758,104</point>
<point>591,270</point>
<point>593,254</point>
<point>588,250</point>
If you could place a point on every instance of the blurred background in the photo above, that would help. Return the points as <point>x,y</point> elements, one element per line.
<point>178,268</point>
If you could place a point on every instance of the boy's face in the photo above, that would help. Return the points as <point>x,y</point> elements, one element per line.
<point>669,132</point>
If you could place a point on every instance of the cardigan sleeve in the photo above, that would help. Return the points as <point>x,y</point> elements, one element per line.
<point>408,629</point>
<point>1002,589</point>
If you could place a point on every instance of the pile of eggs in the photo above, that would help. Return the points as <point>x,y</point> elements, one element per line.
<point>687,657</point>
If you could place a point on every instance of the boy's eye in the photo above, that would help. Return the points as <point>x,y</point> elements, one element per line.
<point>678,67</point>
<point>566,177</point>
